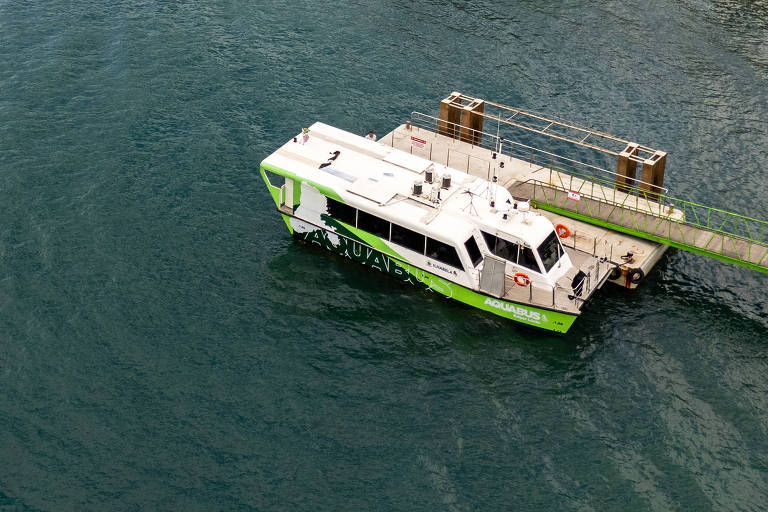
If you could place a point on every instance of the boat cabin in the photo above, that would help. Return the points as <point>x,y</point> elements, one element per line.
<point>438,218</point>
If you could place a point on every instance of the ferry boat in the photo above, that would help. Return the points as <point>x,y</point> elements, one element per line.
<point>460,235</point>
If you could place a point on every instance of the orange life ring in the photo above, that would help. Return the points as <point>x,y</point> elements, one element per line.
<point>562,231</point>
<point>522,279</point>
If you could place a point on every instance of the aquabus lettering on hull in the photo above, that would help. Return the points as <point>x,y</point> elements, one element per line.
<point>367,256</point>
<point>519,312</point>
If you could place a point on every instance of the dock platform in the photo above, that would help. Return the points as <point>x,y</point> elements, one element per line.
<point>614,206</point>
<point>516,175</point>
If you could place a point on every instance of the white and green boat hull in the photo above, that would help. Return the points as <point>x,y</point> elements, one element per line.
<point>370,250</point>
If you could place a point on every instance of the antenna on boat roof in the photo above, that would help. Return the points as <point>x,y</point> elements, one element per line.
<point>471,205</point>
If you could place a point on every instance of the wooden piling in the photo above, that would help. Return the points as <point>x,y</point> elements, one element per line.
<point>653,174</point>
<point>626,168</point>
<point>450,115</point>
<point>472,122</point>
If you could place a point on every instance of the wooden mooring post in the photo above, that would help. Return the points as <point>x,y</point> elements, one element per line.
<point>472,122</point>
<point>450,115</point>
<point>627,167</point>
<point>460,121</point>
<point>653,174</point>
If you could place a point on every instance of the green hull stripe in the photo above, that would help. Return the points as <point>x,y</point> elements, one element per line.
<point>369,239</point>
<point>648,236</point>
<point>287,219</point>
<point>386,261</point>
<point>329,192</point>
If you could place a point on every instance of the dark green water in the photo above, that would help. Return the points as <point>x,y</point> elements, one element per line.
<point>164,345</point>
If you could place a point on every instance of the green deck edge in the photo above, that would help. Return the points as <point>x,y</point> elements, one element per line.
<point>275,191</point>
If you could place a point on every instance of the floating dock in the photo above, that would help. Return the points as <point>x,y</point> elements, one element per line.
<point>614,214</point>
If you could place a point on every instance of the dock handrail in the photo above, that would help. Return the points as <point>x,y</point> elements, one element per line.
<point>690,226</point>
<point>554,128</point>
<point>514,149</point>
<point>704,217</point>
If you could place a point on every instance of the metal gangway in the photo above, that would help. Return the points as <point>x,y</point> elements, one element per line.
<point>686,225</point>
<point>638,206</point>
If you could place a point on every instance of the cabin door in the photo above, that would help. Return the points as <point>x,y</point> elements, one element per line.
<point>492,276</point>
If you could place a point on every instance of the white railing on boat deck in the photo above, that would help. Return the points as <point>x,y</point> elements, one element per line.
<point>558,297</point>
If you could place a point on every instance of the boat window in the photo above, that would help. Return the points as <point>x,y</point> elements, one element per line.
<point>490,241</point>
<point>341,211</point>
<point>474,251</point>
<point>501,248</point>
<point>506,249</point>
<point>276,180</point>
<point>443,252</point>
<point>528,259</point>
<point>408,239</point>
<point>373,224</point>
<point>550,251</point>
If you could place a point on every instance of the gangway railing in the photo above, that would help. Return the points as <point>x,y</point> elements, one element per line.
<point>514,149</point>
<point>686,225</point>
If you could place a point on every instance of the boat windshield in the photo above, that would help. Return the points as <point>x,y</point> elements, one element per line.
<point>550,251</point>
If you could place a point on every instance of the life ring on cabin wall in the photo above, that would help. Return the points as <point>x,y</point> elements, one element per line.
<point>522,279</point>
<point>562,231</point>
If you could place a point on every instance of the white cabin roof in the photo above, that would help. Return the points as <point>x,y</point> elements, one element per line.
<point>380,179</point>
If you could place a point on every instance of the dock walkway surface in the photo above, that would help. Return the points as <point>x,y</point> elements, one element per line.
<point>635,222</point>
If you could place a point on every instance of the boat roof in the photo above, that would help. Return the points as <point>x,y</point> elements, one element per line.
<point>380,179</point>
